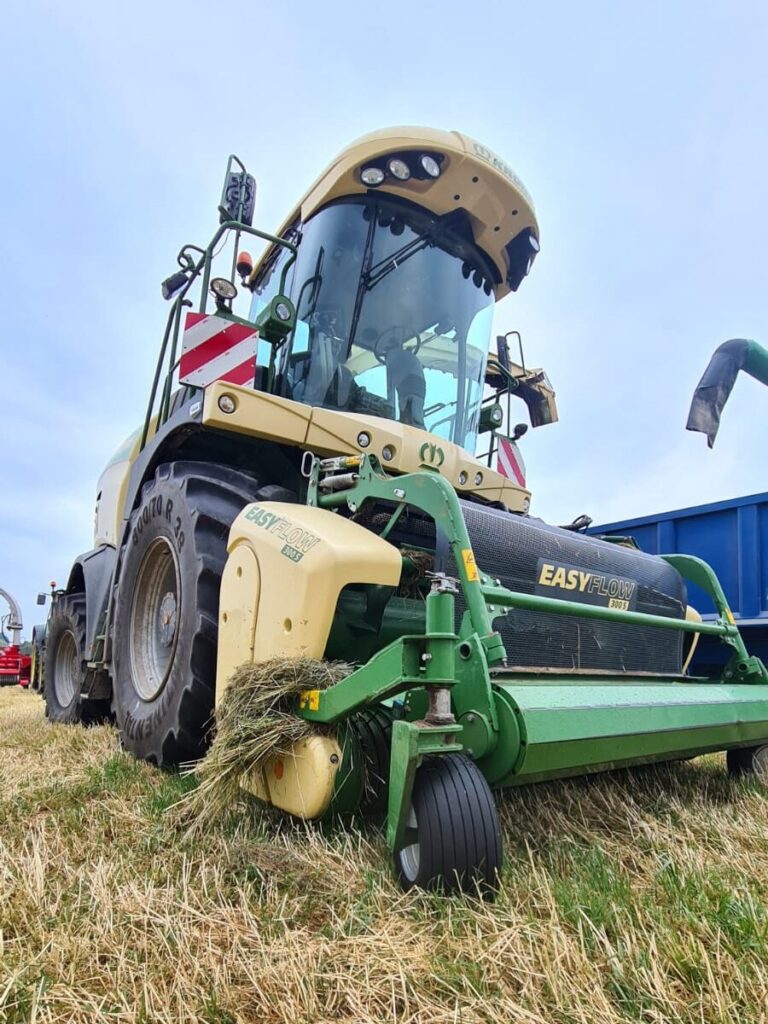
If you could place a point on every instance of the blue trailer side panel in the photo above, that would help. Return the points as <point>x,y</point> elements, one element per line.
<point>733,537</point>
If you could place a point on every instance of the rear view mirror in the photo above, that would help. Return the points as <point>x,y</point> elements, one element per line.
<point>41,598</point>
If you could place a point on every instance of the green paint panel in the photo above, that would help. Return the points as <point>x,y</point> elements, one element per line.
<point>580,725</point>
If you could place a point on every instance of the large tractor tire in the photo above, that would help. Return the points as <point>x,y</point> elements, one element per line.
<point>65,666</point>
<point>167,608</point>
<point>38,659</point>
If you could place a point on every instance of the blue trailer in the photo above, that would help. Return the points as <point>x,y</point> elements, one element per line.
<point>733,537</point>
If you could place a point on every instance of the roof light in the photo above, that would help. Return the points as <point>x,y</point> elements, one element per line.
<point>399,169</point>
<point>429,165</point>
<point>372,176</point>
<point>172,285</point>
<point>223,289</point>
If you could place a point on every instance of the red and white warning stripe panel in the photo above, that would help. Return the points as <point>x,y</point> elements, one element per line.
<point>214,348</point>
<point>510,461</point>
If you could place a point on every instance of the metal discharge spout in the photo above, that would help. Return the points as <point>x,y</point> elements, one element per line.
<point>715,386</point>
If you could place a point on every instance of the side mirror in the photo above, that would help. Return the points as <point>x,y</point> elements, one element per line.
<point>520,429</point>
<point>41,598</point>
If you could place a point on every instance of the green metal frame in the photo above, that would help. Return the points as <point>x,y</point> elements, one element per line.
<point>195,262</point>
<point>472,664</point>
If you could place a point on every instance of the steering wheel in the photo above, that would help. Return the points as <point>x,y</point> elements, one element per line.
<point>380,352</point>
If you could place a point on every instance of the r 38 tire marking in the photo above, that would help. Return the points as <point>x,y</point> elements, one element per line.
<point>154,508</point>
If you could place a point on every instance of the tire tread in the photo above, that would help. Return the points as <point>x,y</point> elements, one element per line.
<point>214,496</point>
<point>458,830</point>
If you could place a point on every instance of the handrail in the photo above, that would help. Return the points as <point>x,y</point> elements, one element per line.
<point>533,602</point>
<point>173,324</point>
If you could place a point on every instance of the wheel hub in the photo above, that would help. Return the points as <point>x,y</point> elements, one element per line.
<point>154,619</point>
<point>168,619</point>
<point>410,856</point>
<point>65,671</point>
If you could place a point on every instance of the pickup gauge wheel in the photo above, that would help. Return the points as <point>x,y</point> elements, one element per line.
<point>452,839</point>
<point>749,761</point>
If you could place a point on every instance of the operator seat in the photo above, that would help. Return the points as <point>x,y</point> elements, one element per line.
<point>406,376</point>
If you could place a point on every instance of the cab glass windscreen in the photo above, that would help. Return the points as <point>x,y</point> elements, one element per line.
<point>394,310</point>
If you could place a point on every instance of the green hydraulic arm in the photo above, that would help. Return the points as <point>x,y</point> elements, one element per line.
<point>459,671</point>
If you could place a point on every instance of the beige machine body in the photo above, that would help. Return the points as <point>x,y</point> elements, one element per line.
<point>287,566</point>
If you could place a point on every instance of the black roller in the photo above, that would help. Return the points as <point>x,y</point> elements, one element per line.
<point>373,727</point>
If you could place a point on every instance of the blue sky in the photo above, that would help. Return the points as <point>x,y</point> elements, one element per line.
<point>641,131</point>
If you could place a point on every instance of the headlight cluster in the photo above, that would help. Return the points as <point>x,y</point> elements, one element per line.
<point>401,167</point>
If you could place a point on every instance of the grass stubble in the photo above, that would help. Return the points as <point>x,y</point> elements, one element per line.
<point>638,896</point>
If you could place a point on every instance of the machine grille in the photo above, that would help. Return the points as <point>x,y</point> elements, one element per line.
<point>513,549</point>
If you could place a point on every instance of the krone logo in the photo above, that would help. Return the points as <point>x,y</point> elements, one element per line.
<point>432,454</point>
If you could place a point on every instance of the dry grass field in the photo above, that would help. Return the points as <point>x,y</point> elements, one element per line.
<point>636,897</point>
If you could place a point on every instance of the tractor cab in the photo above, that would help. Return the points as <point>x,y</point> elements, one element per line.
<point>394,309</point>
<point>403,247</point>
<point>374,299</point>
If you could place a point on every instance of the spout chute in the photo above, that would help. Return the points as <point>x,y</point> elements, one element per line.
<point>715,386</point>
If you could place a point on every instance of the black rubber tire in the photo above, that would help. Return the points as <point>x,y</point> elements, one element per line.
<point>749,761</point>
<point>38,659</point>
<point>66,626</point>
<point>373,727</point>
<point>187,508</point>
<point>457,835</point>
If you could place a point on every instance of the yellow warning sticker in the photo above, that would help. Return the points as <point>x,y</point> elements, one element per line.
<point>309,700</point>
<point>470,566</point>
<point>729,616</point>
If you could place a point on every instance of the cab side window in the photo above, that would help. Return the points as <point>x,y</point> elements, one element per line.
<point>267,285</point>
